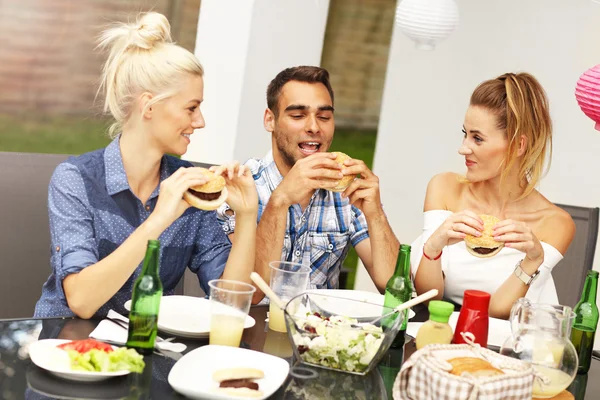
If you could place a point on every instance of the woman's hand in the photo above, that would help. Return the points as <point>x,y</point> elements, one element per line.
<point>242,197</point>
<point>170,204</point>
<point>453,230</point>
<point>518,235</point>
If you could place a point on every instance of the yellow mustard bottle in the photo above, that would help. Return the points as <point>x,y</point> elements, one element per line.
<point>436,330</point>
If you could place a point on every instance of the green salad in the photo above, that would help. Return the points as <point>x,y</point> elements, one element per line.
<point>337,342</point>
<point>100,361</point>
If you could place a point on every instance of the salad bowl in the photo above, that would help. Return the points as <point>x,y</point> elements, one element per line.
<point>338,342</point>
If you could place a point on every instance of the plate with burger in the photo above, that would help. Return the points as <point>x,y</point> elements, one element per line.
<point>222,372</point>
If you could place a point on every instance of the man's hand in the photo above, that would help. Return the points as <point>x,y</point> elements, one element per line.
<point>242,197</point>
<point>317,171</point>
<point>364,191</point>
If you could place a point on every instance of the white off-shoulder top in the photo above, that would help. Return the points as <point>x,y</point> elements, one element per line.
<point>464,271</point>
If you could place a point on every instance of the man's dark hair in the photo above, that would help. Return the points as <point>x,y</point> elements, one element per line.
<point>303,73</point>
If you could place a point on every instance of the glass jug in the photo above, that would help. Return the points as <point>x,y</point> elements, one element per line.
<point>540,336</point>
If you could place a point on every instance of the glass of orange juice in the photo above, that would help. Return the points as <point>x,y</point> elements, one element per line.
<point>288,279</point>
<point>229,305</point>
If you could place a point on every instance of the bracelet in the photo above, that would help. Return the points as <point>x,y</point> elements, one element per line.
<point>429,258</point>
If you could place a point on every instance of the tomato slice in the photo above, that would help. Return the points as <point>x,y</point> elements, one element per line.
<point>83,346</point>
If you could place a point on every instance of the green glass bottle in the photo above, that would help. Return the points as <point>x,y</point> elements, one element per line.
<point>389,367</point>
<point>397,291</point>
<point>586,321</point>
<point>145,303</point>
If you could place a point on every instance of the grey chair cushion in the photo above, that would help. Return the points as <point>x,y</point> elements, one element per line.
<point>569,275</point>
<point>24,232</point>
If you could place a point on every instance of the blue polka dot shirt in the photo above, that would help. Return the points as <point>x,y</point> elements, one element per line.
<point>92,211</point>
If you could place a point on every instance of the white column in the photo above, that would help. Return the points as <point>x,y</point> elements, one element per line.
<point>242,46</point>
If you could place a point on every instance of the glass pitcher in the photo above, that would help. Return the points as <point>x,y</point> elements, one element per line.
<point>540,336</point>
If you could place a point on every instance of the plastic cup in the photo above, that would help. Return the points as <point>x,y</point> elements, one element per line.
<point>229,305</point>
<point>288,279</point>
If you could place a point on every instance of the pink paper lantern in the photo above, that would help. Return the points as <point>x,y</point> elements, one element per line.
<point>587,93</point>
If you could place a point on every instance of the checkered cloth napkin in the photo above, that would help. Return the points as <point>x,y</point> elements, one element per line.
<point>425,375</point>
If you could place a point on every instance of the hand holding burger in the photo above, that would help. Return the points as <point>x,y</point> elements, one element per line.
<point>454,229</point>
<point>208,196</point>
<point>239,185</point>
<point>360,185</point>
<point>340,158</point>
<point>484,246</point>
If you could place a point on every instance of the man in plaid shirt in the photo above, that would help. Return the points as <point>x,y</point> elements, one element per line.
<point>300,220</point>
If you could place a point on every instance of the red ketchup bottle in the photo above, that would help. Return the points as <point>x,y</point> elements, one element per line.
<point>473,317</point>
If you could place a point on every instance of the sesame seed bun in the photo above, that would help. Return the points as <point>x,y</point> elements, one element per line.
<point>214,186</point>
<point>484,246</point>
<point>346,180</point>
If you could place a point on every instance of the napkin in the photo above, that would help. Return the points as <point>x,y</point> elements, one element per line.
<point>110,331</point>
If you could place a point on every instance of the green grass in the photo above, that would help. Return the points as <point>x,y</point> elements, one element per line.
<point>58,135</point>
<point>77,135</point>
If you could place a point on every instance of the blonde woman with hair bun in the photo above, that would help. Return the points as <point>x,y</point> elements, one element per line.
<point>507,139</point>
<point>104,206</point>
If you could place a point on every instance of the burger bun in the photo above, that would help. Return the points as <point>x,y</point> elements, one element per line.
<point>347,179</point>
<point>214,185</point>
<point>484,246</point>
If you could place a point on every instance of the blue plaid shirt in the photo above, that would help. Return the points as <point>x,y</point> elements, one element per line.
<point>93,211</point>
<point>320,236</point>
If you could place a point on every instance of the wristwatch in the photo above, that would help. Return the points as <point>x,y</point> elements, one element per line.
<point>522,275</point>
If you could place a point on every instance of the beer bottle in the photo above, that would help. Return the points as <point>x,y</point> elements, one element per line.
<point>586,321</point>
<point>145,303</point>
<point>397,291</point>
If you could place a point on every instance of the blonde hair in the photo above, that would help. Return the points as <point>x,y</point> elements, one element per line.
<point>521,107</point>
<point>142,58</point>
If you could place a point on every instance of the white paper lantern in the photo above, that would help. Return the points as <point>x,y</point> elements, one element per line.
<point>427,22</point>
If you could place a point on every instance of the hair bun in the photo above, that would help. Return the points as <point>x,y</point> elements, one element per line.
<point>150,28</point>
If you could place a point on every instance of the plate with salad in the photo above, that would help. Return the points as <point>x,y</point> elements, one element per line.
<point>86,360</point>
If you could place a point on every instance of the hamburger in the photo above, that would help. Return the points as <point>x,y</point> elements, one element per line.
<point>477,367</point>
<point>484,246</point>
<point>346,180</point>
<point>208,196</point>
<point>239,381</point>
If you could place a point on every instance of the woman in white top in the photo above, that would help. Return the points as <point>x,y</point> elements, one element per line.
<point>507,136</point>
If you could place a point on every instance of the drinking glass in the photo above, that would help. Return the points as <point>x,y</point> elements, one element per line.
<point>229,305</point>
<point>288,279</point>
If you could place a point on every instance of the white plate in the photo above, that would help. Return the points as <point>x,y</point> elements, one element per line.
<point>192,374</point>
<point>498,332</point>
<point>46,355</point>
<point>369,306</point>
<point>186,316</point>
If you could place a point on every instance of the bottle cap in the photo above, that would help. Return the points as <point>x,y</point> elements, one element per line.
<point>440,311</point>
<point>476,300</point>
